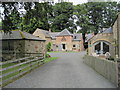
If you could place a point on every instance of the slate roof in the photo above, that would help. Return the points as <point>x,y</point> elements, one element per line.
<point>89,36</point>
<point>108,30</point>
<point>54,34</point>
<point>77,37</point>
<point>64,33</point>
<point>17,34</point>
<point>46,33</point>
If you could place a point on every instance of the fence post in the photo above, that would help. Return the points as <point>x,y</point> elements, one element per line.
<point>19,67</point>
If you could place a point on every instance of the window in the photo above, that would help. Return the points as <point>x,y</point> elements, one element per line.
<point>75,37</point>
<point>97,48</point>
<point>74,45</point>
<point>105,48</point>
<point>101,47</point>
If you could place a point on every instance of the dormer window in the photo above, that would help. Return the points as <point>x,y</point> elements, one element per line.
<point>75,37</point>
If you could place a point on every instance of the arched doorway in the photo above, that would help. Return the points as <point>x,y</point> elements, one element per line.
<point>101,47</point>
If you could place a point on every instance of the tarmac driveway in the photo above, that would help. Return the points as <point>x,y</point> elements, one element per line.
<point>68,71</point>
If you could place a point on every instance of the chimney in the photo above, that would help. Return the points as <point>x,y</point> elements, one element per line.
<point>49,30</point>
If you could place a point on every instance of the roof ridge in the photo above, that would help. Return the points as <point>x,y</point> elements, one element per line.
<point>22,35</point>
<point>66,32</point>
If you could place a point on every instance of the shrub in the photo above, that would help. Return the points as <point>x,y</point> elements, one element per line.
<point>48,47</point>
<point>47,56</point>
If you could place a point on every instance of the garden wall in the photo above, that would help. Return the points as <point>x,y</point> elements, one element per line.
<point>106,68</point>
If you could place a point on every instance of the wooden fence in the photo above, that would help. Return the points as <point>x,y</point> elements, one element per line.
<point>13,69</point>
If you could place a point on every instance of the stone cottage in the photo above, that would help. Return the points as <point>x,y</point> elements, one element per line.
<point>107,41</point>
<point>18,44</point>
<point>62,41</point>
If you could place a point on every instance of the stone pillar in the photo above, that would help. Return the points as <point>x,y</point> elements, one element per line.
<point>101,47</point>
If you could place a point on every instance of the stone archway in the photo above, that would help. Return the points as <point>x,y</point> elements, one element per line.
<point>101,47</point>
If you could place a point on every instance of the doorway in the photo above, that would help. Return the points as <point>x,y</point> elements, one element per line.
<point>63,46</point>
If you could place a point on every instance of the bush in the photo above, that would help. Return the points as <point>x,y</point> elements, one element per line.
<point>48,47</point>
<point>47,56</point>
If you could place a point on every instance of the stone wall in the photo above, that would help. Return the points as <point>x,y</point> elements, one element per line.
<point>24,48</point>
<point>67,41</point>
<point>39,33</point>
<point>34,48</point>
<point>106,68</point>
<point>48,39</point>
<point>17,52</point>
<point>118,36</point>
<point>116,33</point>
<point>79,46</point>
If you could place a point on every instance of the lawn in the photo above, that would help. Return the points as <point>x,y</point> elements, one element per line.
<point>50,59</point>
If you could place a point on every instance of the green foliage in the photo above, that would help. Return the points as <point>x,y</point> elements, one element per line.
<point>12,17</point>
<point>36,17</point>
<point>0,23</point>
<point>48,47</point>
<point>94,16</point>
<point>46,60</point>
<point>91,16</point>
<point>62,17</point>
<point>47,56</point>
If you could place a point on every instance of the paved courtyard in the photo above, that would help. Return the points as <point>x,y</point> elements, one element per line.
<point>68,71</point>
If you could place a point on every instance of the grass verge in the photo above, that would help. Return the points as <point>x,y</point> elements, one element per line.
<point>46,60</point>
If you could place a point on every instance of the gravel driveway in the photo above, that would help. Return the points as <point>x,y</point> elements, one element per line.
<point>68,71</point>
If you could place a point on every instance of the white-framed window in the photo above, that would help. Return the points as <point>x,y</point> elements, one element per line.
<point>101,47</point>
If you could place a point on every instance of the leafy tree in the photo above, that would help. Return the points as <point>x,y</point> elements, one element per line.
<point>36,16</point>
<point>93,16</point>
<point>62,16</point>
<point>12,17</point>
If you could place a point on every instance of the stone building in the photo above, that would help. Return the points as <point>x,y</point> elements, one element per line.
<point>18,44</point>
<point>44,34</point>
<point>107,41</point>
<point>116,35</point>
<point>101,43</point>
<point>62,41</point>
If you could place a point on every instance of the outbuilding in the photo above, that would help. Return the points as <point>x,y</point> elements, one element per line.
<point>18,44</point>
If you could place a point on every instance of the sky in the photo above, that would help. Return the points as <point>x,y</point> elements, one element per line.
<point>75,2</point>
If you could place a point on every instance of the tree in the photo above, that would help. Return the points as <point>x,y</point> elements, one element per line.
<point>36,16</point>
<point>82,19</point>
<point>94,16</point>
<point>12,17</point>
<point>62,16</point>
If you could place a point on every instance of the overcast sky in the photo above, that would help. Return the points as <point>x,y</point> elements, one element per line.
<point>75,2</point>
